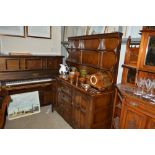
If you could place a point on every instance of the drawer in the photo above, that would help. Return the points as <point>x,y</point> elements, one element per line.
<point>65,97</point>
<point>145,107</point>
<point>65,88</point>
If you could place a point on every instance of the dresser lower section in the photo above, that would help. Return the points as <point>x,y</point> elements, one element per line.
<point>81,109</point>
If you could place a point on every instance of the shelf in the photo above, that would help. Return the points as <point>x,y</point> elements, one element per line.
<point>146,70</point>
<point>134,66</point>
<point>89,49</point>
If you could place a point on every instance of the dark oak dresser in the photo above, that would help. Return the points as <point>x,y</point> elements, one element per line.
<point>91,108</point>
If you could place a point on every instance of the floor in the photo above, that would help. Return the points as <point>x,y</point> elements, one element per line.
<point>43,120</point>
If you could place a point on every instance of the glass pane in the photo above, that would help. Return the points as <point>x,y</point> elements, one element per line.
<point>150,54</point>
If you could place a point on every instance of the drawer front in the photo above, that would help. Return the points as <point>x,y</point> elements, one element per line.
<point>66,89</point>
<point>65,97</point>
<point>146,108</point>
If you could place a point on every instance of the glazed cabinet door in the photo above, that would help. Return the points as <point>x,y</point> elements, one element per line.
<point>132,118</point>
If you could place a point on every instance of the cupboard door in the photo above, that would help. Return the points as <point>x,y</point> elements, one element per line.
<point>67,112</point>
<point>84,112</point>
<point>59,105</point>
<point>151,123</point>
<point>67,107</point>
<point>76,109</point>
<point>132,119</point>
<point>80,110</point>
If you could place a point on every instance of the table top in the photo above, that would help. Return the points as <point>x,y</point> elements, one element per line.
<point>130,91</point>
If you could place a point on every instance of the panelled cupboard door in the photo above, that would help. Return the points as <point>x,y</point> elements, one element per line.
<point>84,112</point>
<point>76,109</point>
<point>67,112</point>
<point>80,110</point>
<point>59,105</point>
<point>132,119</point>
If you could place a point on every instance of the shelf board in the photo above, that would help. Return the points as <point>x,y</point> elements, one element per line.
<point>89,49</point>
<point>134,66</point>
<point>146,70</point>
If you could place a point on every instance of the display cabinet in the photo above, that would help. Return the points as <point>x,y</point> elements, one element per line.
<point>130,65</point>
<point>137,89</point>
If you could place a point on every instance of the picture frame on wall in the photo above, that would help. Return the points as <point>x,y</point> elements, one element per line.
<point>16,31</point>
<point>39,32</point>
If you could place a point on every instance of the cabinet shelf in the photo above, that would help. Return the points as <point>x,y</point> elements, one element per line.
<point>134,66</point>
<point>146,70</point>
<point>89,49</point>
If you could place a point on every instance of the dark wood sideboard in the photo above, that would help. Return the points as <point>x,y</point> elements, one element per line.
<point>91,108</point>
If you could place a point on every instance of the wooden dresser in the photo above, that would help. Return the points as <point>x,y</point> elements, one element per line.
<point>92,108</point>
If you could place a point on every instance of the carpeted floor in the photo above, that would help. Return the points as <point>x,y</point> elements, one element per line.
<point>43,120</point>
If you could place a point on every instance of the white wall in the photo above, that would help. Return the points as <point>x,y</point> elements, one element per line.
<point>36,46</point>
<point>121,61</point>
